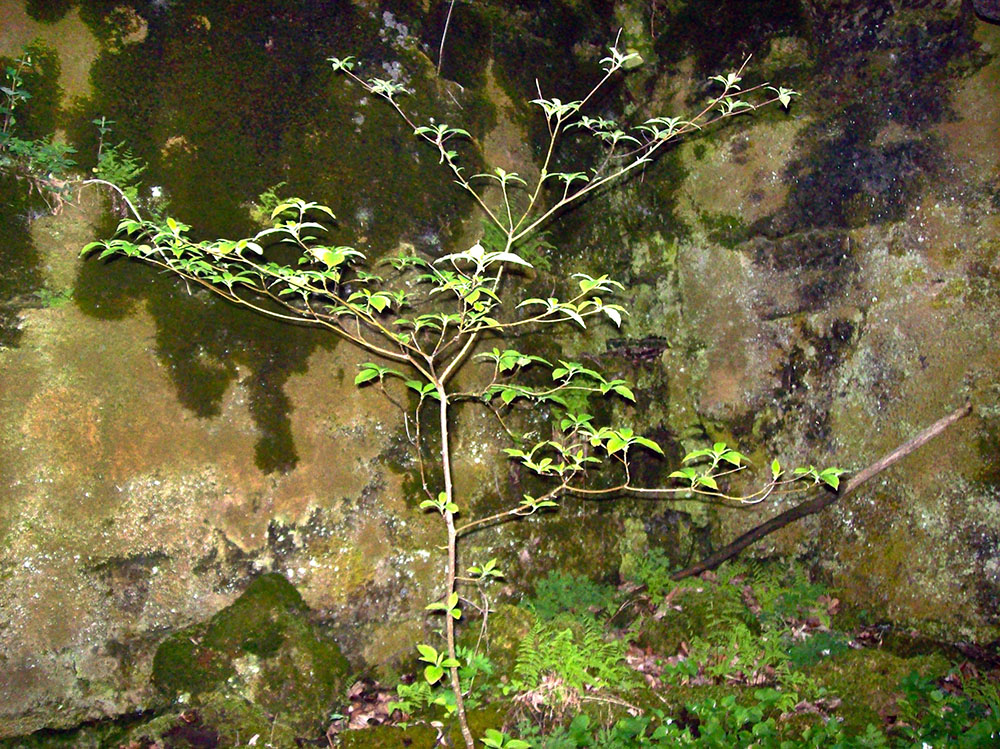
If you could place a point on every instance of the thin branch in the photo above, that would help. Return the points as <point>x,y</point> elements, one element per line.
<point>444,35</point>
<point>117,189</point>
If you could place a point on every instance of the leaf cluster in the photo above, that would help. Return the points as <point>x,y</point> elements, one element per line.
<point>424,694</point>
<point>560,593</point>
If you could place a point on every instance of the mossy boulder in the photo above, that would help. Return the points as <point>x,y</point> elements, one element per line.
<point>695,609</point>
<point>262,652</point>
<point>867,681</point>
<point>218,720</point>
<point>377,737</point>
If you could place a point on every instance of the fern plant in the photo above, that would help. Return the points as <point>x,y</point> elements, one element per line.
<point>116,163</point>
<point>560,593</point>
<point>575,652</point>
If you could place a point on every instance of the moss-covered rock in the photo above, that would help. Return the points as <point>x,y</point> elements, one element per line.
<point>261,654</point>
<point>219,719</point>
<point>390,736</point>
<point>867,682</point>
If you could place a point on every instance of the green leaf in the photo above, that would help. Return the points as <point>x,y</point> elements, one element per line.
<point>695,455</point>
<point>650,444</point>
<point>615,444</point>
<point>707,481</point>
<point>572,314</point>
<point>428,653</point>
<point>618,60</point>
<point>507,257</point>
<point>568,177</point>
<point>775,469</point>
<point>689,474</point>
<point>91,246</point>
<point>831,477</point>
<point>536,300</point>
<point>365,375</point>
<point>624,392</point>
<point>386,88</point>
<point>378,301</point>
<point>494,739</point>
<point>433,674</point>
<point>346,63</point>
<point>282,207</point>
<point>730,82</point>
<point>733,458</point>
<point>784,95</point>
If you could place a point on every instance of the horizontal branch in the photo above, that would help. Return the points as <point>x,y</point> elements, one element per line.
<point>817,504</point>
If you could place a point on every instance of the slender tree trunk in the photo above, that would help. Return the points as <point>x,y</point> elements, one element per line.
<point>452,571</point>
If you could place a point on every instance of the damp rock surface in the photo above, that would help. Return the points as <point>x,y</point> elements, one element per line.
<point>816,285</point>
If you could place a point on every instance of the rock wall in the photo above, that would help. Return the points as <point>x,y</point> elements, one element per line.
<point>829,279</point>
<point>816,285</point>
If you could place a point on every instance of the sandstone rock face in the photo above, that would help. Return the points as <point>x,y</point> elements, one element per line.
<point>816,285</point>
<point>125,517</point>
<point>835,290</point>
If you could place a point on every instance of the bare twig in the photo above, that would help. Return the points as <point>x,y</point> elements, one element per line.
<point>444,35</point>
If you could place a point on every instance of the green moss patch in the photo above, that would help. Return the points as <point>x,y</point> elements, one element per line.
<point>867,682</point>
<point>262,652</point>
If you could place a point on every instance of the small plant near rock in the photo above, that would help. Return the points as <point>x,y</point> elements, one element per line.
<point>116,163</point>
<point>424,319</point>
<point>708,697</point>
<point>559,593</point>
<point>43,162</point>
<point>50,298</point>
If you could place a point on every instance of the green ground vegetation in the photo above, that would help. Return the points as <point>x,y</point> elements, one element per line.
<point>754,655</point>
